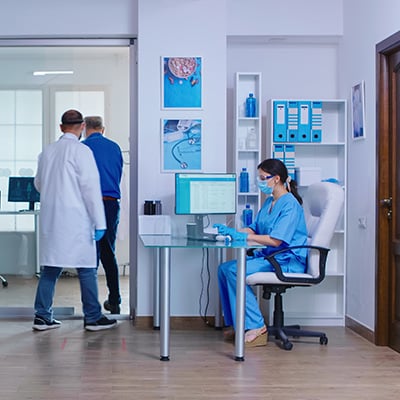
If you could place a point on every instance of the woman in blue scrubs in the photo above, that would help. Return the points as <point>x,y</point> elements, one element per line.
<point>279,224</point>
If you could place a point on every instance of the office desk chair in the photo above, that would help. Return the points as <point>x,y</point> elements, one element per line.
<point>322,203</point>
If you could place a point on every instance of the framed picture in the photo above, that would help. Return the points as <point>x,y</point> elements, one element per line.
<point>181,145</point>
<point>358,110</point>
<point>181,82</point>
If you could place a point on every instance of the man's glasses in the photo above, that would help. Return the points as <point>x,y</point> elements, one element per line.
<point>264,177</point>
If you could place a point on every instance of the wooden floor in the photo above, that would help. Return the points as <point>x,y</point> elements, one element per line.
<point>123,363</point>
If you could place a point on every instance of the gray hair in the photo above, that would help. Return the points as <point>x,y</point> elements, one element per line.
<point>94,122</point>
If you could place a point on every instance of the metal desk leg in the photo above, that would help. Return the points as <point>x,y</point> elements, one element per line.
<point>156,290</point>
<point>165,277</point>
<point>218,306</point>
<point>240,304</point>
<point>36,218</point>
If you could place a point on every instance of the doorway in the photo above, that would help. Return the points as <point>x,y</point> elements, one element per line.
<point>387,329</point>
<point>103,67</point>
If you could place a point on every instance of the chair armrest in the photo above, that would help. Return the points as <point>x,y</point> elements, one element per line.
<point>323,254</point>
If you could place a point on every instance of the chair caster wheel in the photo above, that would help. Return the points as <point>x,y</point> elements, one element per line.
<point>323,340</point>
<point>287,345</point>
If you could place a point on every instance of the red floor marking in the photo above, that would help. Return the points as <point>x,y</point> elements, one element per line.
<point>123,344</point>
<point>64,343</point>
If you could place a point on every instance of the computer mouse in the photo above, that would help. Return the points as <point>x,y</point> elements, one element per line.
<point>222,238</point>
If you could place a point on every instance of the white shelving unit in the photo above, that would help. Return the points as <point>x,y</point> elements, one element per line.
<point>323,304</point>
<point>247,155</point>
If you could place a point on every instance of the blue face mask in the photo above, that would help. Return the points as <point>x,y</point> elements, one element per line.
<point>262,185</point>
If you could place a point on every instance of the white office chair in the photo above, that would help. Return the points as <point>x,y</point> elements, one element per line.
<point>323,203</point>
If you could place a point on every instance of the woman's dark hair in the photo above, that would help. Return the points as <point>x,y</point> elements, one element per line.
<point>277,167</point>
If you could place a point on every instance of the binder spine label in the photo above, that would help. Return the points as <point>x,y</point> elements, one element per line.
<point>293,121</point>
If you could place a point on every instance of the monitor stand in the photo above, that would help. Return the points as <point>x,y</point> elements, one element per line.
<point>31,206</point>
<point>195,230</point>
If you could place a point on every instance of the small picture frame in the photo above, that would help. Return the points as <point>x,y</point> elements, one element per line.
<point>181,83</point>
<point>181,148</point>
<point>358,111</point>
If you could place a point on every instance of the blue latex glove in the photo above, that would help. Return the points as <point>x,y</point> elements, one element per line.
<point>233,233</point>
<point>98,234</point>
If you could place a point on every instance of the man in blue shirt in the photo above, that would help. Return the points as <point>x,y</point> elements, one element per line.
<point>109,162</point>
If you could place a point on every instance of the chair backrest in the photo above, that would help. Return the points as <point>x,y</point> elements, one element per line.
<point>323,205</point>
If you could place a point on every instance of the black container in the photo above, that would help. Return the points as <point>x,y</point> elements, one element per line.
<point>152,207</point>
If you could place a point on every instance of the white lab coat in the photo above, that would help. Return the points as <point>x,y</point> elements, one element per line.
<point>71,205</point>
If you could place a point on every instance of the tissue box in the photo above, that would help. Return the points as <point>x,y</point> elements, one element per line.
<point>305,176</point>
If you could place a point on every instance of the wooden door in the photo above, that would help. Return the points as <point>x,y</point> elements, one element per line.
<point>388,193</point>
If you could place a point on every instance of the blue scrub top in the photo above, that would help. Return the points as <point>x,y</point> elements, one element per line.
<point>285,222</point>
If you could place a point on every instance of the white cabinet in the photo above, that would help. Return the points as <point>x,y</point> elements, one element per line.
<point>325,158</point>
<point>246,141</point>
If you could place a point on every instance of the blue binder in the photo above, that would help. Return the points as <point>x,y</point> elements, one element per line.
<point>279,152</point>
<point>316,121</point>
<point>290,155</point>
<point>280,121</point>
<point>304,134</point>
<point>293,120</point>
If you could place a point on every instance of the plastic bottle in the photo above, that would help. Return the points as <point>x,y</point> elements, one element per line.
<point>157,207</point>
<point>251,139</point>
<point>251,106</point>
<point>244,181</point>
<point>247,216</point>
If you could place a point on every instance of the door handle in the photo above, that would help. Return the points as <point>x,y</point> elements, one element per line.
<point>387,202</point>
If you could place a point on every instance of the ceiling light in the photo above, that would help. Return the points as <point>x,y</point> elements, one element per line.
<point>42,73</point>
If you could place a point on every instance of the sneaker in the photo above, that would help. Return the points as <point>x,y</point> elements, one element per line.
<point>100,324</point>
<point>114,309</point>
<point>40,324</point>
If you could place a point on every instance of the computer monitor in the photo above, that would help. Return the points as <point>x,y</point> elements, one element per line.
<point>201,194</point>
<point>22,190</point>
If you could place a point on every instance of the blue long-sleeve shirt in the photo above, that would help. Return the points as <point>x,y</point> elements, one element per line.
<point>109,162</point>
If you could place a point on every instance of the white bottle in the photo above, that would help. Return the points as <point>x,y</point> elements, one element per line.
<point>251,139</point>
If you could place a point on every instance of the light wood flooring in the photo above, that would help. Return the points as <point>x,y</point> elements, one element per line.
<point>123,363</point>
<point>20,292</point>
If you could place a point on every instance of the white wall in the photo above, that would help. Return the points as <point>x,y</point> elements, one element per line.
<point>185,29</point>
<point>199,27</point>
<point>49,18</point>
<point>365,25</point>
<point>284,17</point>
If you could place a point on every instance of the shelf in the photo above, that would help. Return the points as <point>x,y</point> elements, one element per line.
<point>248,194</point>
<point>324,302</point>
<point>246,141</point>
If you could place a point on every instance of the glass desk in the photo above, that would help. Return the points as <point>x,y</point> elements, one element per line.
<point>165,243</point>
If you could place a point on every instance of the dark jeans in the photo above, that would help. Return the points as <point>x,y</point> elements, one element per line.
<point>106,251</point>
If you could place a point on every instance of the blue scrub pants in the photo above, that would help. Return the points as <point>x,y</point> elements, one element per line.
<point>89,293</point>
<point>227,273</point>
<point>106,251</point>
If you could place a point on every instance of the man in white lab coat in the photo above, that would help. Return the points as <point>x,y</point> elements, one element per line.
<point>71,220</point>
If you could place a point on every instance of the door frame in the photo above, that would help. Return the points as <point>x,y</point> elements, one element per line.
<point>130,43</point>
<point>384,173</point>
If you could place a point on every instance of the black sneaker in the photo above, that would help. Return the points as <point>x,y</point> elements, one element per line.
<point>100,324</point>
<point>114,309</point>
<point>40,324</point>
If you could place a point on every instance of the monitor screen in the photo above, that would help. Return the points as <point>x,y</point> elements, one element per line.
<point>22,189</point>
<point>198,193</point>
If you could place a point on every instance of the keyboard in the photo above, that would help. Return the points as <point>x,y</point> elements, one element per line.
<point>206,237</point>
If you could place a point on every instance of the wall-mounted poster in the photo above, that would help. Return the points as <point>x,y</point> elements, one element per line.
<point>358,111</point>
<point>181,82</point>
<point>181,145</point>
